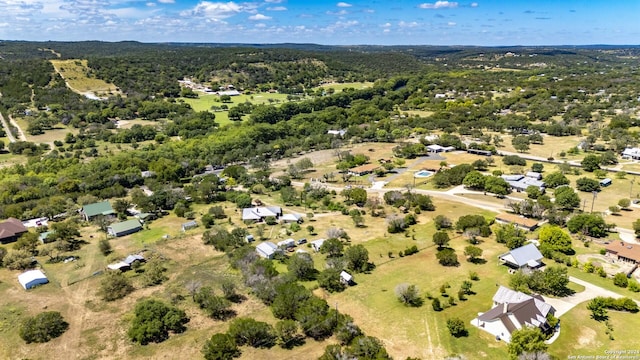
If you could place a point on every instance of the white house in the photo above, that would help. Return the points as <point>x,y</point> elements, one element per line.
<point>267,249</point>
<point>32,278</point>
<point>291,218</point>
<point>527,256</point>
<point>631,153</point>
<point>260,213</point>
<point>513,310</point>
<point>346,278</point>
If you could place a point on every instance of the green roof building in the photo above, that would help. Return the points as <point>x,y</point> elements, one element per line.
<point>124,228</point>
<point>92,210</point>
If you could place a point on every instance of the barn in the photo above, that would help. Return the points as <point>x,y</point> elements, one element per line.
<point>32,278</point>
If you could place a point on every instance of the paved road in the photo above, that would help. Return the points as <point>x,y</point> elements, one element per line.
<point>7,129</point>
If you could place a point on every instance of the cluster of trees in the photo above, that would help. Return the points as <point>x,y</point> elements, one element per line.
<point>553,280</point>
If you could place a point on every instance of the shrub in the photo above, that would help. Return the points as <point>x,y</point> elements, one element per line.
<point>436,305</point>
<point>442,222</point>
<point>409,295</point>
<point>154,320</point>
<point>456,327</point>
<point>447,257</point>
<point>43,327</point>
<point>621,280</point>
<point>247,331</point>
<point>411,250</point>
<point>114,286</point>
<point>220,347</point>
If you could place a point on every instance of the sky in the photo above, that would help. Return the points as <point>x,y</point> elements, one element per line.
<point>356,22</point>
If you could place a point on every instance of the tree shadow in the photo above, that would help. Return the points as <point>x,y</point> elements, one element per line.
<point>477,261</point>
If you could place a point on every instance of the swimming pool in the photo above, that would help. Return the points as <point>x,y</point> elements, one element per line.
<point>423,173</point>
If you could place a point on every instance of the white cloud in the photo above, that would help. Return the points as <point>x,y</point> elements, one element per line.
<point>386,25</point>
<point>407,24</point>
<point>215,10</point>
<point>273,1</point>
<point>451,23</point>
<point>151,4</point>
<point>167,1</point>
<point>386,31</point>
<point>277,8</point>
<point>474,4</point>
<point>259,17</point>
<point>339,13</point>
<point>439,5</point>
<point>343,4</point>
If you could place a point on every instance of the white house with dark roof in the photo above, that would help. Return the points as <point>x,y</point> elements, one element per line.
<point>513,310</point>
<point>525,257</point>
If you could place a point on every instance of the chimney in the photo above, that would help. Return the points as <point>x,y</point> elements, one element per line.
<point>505,307</point>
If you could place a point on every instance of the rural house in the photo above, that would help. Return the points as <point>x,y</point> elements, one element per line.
<point>124,228</point>
<point>526,257</point>
<point>520,182</point>
<point>10,230</point>
<point>125,264</point>
<point>363,169</point>
<point>291,218</point>
<point>631,153</point>
<point>317,244</point>
<point>260,213</point>
<point>623,251</point>
<point>513,310</point>
<point>90,211</point>
<point>32,278</point>
<point>518,221</point>
<point>286,244</point>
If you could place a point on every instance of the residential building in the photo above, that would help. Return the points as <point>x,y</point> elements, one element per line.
<point>434,148</point>
<point>526,257</point>
<point>286,244</point>
<point>125,264</point>
<point>520,183</point>
<point>317,244</point>
<point>517,220</point>
<point>260,213</point>
<point>291,218</point>
<point>90,211</point>
<point>631,153</point>
<point>623,251</point>
<point>364,169</point>
<point>10,230</point>
<point>513,310</point>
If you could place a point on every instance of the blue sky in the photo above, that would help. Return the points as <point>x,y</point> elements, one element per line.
<point>391,22</point>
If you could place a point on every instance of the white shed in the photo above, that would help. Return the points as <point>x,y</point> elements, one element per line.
<point>267,249</point>
<point>32,278</point>
<point>316,244</point>
<point>286,244</point>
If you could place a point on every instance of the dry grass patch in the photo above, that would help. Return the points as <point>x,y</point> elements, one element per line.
<point>74,72</point>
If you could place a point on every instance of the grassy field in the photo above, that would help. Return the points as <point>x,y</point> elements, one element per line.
<point>341,86</point>
<point>58,132</point>
<point>204,102</point>
<point>75,71</point>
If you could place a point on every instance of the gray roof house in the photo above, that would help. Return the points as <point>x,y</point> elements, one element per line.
<point>125,264</point>
<point>521,183</point>
<point>513,310</point>
<point>631,153</point>
<point>267,250</point>
<point>524,257</point>
<point>124,228</point>
<point>90,211</point>
<point>260,213</point>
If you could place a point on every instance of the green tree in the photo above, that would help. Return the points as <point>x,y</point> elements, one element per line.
<point>357,258</point>
<point>447,257</point>
<point>409,295</point>
<point>289,298</point>
<point>456,327</point>
<point>555,179</point>
<point>441,238</point>
<point>216,307</point>
<point>510,235</point>
<point>332,247</point>
<point>329,279</point>
<point>553,238</point>
<point>521,143</point>
<point>526,340</point>
<point>588,224</point>
<point>301,266</point>
<point>153,320</point>
<point>566,198</point>
<point>473,253</point>
<point>288,334</point>
<point>590,163</point>
<point>496,185</point>
<point>624,203</point>
<point>105,247</point>
<point>533,192</point>
<point>28,241</point>
<point>636,227</point>
<point>43,327</point>
<point>598,308</point>
<point>17,260</point>
<point>621,280</point>
<point>154,272</point>
<point>474,180</point>
<point>587,185</point>
<point>367,347</point>
<point>114,286</point>
<point>247,331</point>
<point>220,347</point>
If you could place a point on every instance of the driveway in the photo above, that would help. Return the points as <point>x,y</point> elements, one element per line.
<point>563,305</point>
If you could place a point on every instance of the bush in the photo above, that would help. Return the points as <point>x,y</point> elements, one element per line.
<point>447,257</point>
<point>442,222</point>
<point>154,320</point>
<point>436,305</point>
<point>411,250</point>
<point>220,347</point>
<point>621,280</point>
<point>43,327</point>
<point>409,295</point>
<point>456,327</point>
<point>114,286</point>
<point>247,331</point>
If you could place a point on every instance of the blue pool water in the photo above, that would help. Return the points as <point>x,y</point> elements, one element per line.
<point>423,173</point>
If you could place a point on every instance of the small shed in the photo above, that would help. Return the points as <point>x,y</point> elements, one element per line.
<point>32,278</point>
<point>249,238</point>
<point>291,218</point>
<point>605,182</point>
<point>267,250</point>
<point>346,278</point>
<point>316,244</point>
<point>189,225</point>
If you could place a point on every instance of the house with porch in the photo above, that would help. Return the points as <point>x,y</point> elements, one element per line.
<point>90,211</point>
<point>513,310</point>
<point>623,251</point>
<point>10,230</point>
<point>526,257</point>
